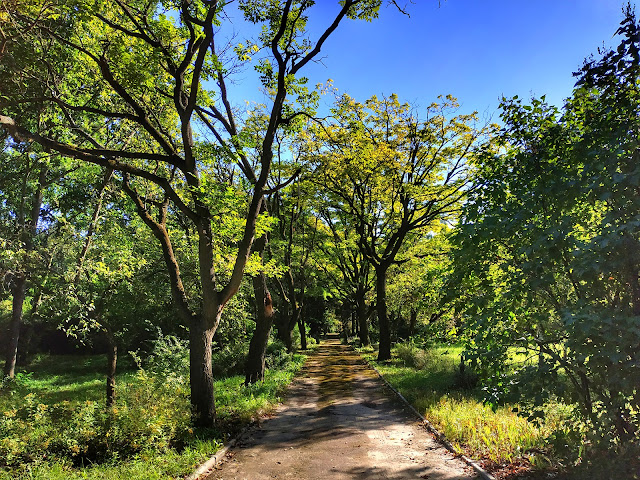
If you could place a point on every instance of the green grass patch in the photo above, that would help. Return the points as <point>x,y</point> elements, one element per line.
<point>500,436</point>
<point>53,423</point>
<point>431,382</point>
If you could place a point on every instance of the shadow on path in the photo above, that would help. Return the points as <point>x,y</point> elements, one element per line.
<point>339,422</point>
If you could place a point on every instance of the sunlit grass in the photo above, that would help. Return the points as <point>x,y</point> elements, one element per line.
<point>499,436</point>
<point>71,384</point>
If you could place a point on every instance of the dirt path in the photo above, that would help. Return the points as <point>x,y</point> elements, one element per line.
<point>339,422</point>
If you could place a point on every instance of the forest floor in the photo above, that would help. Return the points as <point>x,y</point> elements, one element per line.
<point>339,421</point>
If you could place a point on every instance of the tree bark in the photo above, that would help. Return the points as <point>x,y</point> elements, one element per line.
<point>413,318</point>
<point>303,333</point>
<point>19,292</point>
<point>354,324</point>
<point>254,367</point>
<point>363,323</point>
<point>112,361</point>
<point>19,289</point>
<point>384,349</point>
<point>203,410</point>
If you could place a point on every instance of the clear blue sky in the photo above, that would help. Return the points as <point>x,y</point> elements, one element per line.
<point>476,50</point>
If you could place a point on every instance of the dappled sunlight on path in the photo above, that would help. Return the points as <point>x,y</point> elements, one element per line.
<point>339,422</point>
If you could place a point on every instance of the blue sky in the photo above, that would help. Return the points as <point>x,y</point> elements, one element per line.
<point>476,50</point>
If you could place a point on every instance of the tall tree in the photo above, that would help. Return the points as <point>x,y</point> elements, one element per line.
<point>548,246</point>
<point>27,195</point>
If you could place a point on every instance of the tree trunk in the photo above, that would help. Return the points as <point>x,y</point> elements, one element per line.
<point>283,333</point>
<point>254,368</point>
<point>112,360</point>
<point>19,292</point>
<point>203,408</point>
<point>384,349</point>
<point>345,317</point>
<point>354,323</point>
<point>303,332</point>
<point>413,319</point>
<point>363,321</point>
<point>19,288</point>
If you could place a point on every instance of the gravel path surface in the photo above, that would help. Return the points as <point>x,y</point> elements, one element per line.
<point>339,422</point>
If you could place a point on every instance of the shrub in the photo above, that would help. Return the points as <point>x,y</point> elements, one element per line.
<point>153,411</point>
<point>421,359</point>
<point>229,360</point>
<point>169,357</point>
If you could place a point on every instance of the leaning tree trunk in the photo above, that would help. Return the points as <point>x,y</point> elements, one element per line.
<point>19,292</point>
<point>254,368</point>
<point>19,288</point>
<point>384,349</point>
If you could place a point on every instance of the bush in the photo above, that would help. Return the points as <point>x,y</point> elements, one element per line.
<point>169,357</point>
<point>229,360</point>
<point>277,356</point>
<point>421,359</point>
<point>153,411</point>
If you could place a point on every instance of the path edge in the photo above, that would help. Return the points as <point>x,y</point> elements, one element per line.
<point>206,467</point>
<point>440,437</point>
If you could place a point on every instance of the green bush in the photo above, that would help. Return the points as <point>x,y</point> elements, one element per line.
<point>421,359</point>
<point>169,357</point>
<point>229,360</point>
<point>152,411</point>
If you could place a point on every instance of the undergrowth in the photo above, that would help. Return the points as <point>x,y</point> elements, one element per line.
<point>146,435</point>
<point>431,381</point>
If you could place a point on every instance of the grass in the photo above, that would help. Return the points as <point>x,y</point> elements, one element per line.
<point>59,392</point>
<point>431,383</point>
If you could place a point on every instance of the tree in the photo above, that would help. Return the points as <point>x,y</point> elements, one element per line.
<point>417,286</point>
<point>350,271</point>
<point>396,175</point>
<point>27,194</point>
<point>125,89</point>
<point>548,248</point>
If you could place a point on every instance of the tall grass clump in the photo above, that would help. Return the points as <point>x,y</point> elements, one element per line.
<point>501,436</point>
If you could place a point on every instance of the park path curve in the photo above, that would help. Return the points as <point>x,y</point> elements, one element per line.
<point>338,422</point>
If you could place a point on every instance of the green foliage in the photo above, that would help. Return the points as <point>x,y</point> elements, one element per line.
<point>547,259</point>
<point>229,360</point>
<point>169,358</point>
<point>147,433</point>
<point>148,412</point>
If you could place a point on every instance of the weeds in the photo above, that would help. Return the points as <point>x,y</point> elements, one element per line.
<point>432,382</point>
<point>500,436</point>
<point>146,435</point>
